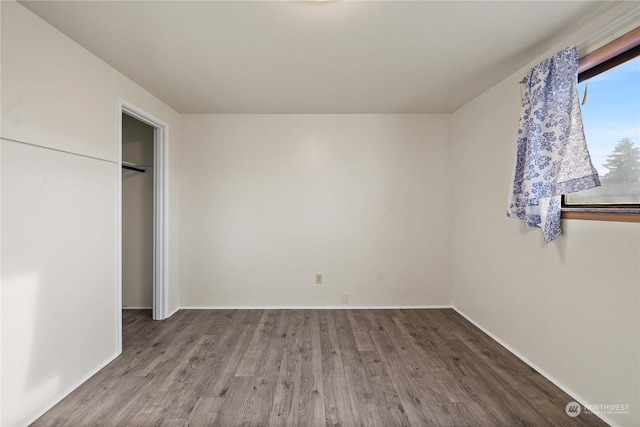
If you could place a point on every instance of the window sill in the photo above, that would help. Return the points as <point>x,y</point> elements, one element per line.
<point>602,214</point>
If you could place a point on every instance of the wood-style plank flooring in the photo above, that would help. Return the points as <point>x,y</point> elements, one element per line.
<point>312,368</point>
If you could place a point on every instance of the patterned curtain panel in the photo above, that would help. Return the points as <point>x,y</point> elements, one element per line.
<point>552,157</point>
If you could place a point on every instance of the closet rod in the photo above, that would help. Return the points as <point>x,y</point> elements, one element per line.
<point>133,168</point>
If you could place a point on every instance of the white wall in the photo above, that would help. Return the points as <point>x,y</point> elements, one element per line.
<point>59,207</point>
<point>570,307</point>
<point>270,200</point>
<point>137,215</point>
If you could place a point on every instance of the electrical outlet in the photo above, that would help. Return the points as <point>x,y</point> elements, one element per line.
<point>318,279</point>
<point>344,298</point>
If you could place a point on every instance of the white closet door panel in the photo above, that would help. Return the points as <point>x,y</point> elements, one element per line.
<point>59,273</point>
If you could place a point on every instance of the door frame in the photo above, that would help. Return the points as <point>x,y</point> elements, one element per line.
<point>160,212</point>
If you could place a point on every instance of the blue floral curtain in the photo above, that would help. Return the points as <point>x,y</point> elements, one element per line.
<point>552,157</point>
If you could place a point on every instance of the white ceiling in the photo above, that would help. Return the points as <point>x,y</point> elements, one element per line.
<point>315,56</point>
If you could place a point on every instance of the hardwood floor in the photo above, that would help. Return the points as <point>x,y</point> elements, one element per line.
<point>312,368</point>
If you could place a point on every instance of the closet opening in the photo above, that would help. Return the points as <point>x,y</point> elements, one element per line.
<point>142,239</point>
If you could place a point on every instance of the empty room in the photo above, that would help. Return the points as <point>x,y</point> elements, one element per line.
<point>306,213</point>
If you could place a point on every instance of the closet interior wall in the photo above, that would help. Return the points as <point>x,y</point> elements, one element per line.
<point>137,214</point>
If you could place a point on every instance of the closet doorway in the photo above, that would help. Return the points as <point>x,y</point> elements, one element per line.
<point>142,240</point>
<point>137,213</point>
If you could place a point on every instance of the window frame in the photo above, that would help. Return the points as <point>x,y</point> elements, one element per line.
<point>599,61</point>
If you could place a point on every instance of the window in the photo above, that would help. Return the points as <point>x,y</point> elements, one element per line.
<point>611,118</point>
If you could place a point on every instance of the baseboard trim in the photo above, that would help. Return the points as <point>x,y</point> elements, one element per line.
<point>323,307</point>
<point>173,312</point>
<point>68,391</point>
<point>137,308</point>
<point>555,382</point>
